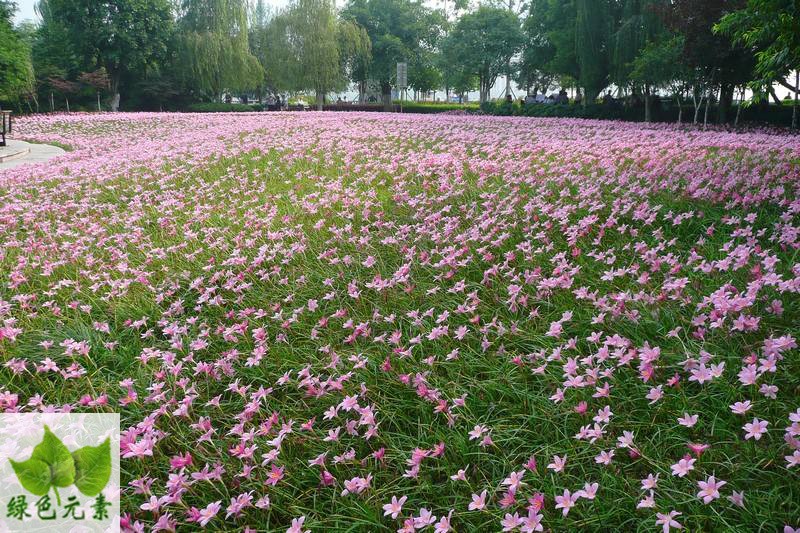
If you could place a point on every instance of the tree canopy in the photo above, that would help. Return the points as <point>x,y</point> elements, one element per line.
<point>481,43</point>
<point>15,58</point>
<point>174,52</point>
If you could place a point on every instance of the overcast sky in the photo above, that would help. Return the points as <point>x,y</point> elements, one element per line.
<point>25,10</point>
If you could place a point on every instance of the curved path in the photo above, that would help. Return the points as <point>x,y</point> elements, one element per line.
<point>21,153</point>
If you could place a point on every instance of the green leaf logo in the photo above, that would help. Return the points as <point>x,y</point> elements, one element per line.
<point>52,465</point>
<point>92,467</point>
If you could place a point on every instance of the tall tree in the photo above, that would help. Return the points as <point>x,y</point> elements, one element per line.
<point>716,62</point>
<point>355,49</point>
<point>215,53</point>
<point>533,69</point>
<point>423,75</point>
<point>638,26</point>
<point>280,66</point>
<point>771,28</point>
<point>658,66</point>
<point>313,39</point>
<point>326,48</point>
<point>482,42</point>
<point>399,30</point>
<point>592,33</point>
<point>16,73</point>
<point>122,36</point>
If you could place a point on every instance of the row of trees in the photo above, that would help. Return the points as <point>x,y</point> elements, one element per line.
<point>161,50</point>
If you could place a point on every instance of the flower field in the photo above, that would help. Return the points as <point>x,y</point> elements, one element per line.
<point>368,322</point>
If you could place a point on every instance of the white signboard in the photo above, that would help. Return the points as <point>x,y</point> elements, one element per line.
<point>402,75</point>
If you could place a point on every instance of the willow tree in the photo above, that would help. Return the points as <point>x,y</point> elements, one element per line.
<point>591,45</point>
<point>641,44</point>
<point>638,26</point>
<point>314,40</point>
<point>215,54</point>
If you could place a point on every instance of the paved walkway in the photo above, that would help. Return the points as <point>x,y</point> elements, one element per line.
<point>21,153</point>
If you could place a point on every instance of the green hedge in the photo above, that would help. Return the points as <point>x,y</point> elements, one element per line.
<point>211,107</point>
<point>435,107</point>
<point>774,115</point>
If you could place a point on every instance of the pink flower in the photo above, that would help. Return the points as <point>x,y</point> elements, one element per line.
<point>424,519</point>
<point>459,476</point>
<point>297,526</point>
<point>792,460</point>
<point>650,482</point>
<point>566,501</point>
<point>741,408</point>
<point>737,498</point>
<point>531,523</point>
<point>478,502</point>
<point>755,429</point>
<point>514,480</point>
<point>688,420</point>
<point>683,467</point>
<point>709,489</point>
<point>648,502</point>
<point>443,525</point>
<point>604,457</point>
<point>395,507</point>
<point>209,512</point>
<point>668,521</point>
<point>511,522</point>
<point>558,463</point>
<point>275,475</point>
<point>589,491</point>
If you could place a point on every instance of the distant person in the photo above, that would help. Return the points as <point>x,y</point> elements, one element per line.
<point>607,99</point>
<point>578,98</point>
<point>509,99</point>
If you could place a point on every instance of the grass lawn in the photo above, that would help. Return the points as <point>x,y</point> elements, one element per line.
<point>504,323</point>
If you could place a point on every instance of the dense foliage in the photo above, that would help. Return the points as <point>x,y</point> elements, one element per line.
<point>162,53</point>
<point>16,74</point>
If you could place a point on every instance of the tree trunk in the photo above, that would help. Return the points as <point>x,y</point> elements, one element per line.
<point>697,105</point>
<point>320,97</point>
<point>386,95</point>
<point>725,102</point>
<point>648,117</point>
<point>774,96</point>
<point>98,101</point>
<point>680,108</point>
<point>52,103</point>
<point>67,99</point>
<point>705,117</point>
<point>794,105</point>
<point>484,87</point>
<point>739,110</point>
<point>115,92</point>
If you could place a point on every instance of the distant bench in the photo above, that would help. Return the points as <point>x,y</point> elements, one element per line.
<point>5,127</point>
